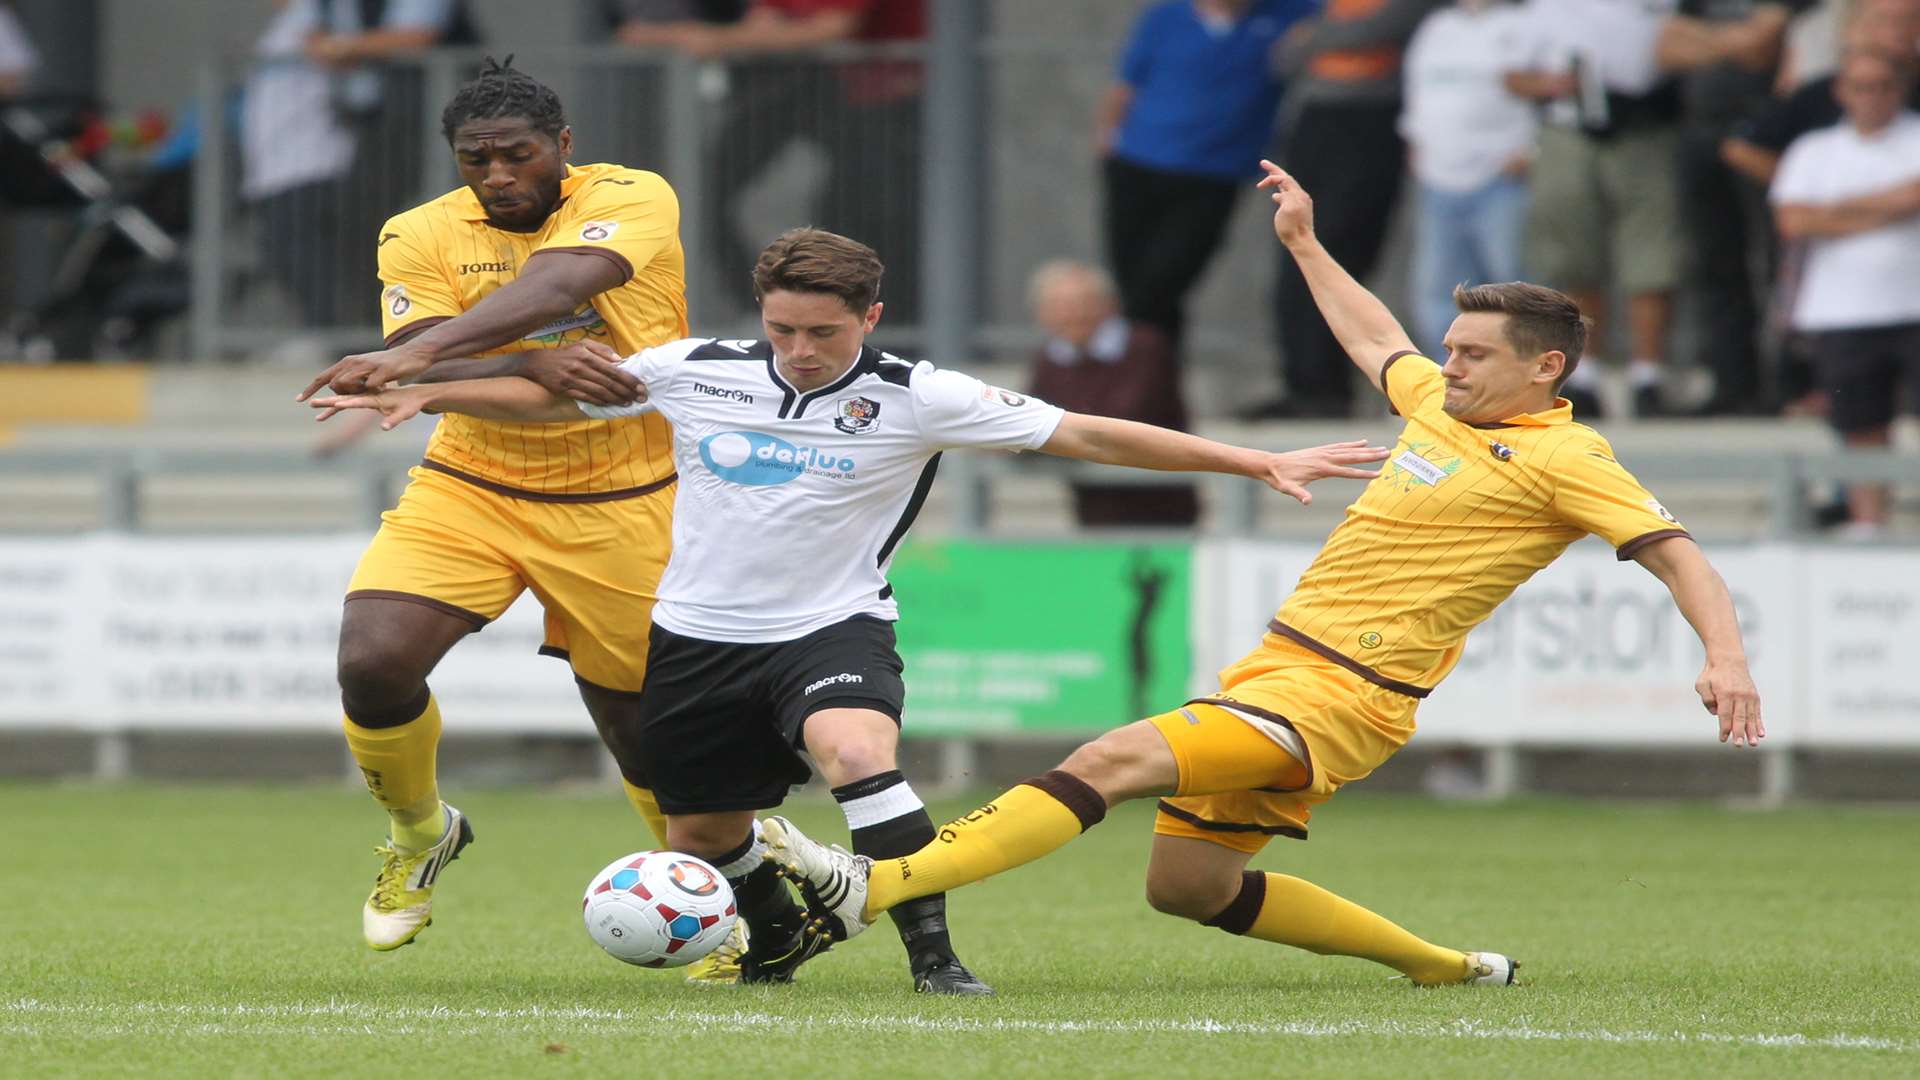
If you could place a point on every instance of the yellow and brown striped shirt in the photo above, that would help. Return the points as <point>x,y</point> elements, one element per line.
<point>1459,516</point>
<point>441,258</point>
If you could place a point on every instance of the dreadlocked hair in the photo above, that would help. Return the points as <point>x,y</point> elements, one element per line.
<point>500,91</point>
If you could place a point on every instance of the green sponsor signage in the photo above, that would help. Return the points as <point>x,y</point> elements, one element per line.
<point>1068,637</point>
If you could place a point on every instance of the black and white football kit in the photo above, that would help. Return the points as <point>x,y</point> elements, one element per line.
<point>775,603</point>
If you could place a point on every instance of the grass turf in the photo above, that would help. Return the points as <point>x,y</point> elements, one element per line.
<point>214,931</point>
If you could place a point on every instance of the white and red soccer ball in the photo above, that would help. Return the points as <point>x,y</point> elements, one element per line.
<point>659,909</point>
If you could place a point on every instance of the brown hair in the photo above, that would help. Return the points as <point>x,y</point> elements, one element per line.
<point>814,260</point>
<point>1539,319</point>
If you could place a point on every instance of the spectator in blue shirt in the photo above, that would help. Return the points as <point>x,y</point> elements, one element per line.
<point>1182,130</point>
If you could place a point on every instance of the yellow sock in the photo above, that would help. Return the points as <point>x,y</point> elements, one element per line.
<point>1028,821</point>
<point>398,764</point>
<point>1306,916</point>
<point>649,809</point>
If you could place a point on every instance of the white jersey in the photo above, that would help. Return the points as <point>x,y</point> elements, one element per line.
<point>791,504</point>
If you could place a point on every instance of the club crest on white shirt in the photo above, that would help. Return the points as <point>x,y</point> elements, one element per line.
<point>857,415</point>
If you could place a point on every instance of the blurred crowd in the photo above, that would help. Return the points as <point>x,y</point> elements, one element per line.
<point>1736,178</point>
<point>1752,164</point>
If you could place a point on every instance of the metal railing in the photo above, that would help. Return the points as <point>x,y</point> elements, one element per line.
<point>835,138</point>
<point>1787,480</point>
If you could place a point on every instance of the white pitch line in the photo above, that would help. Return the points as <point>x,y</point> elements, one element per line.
<point>30,1016</point>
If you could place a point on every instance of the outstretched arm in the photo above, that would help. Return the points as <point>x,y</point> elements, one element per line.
<point>1359,321</point>
<point>1725,686</point>
<point>553,285</point>
<point>488,399</point>
<point>1108,441</point>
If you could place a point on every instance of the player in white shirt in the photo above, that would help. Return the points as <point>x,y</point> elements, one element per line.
<point>803,459</point>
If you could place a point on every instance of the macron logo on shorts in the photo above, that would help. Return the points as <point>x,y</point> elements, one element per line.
<point>843,677</point>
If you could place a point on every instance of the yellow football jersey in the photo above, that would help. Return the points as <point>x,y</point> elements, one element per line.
<point>1459,516</point>
<point>440,258</point>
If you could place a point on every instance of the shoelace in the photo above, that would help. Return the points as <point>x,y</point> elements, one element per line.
<point>388,881</point>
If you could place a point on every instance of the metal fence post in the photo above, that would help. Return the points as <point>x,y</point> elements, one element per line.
<point>437,86</point>
<point>685,163</point>
<point>1779,776</point>
<point>1790,514</point>
<point>950,209</point>
<point>209,214</point>
<point>119,495</point>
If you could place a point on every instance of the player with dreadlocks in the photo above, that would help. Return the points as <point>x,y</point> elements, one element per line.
<point>553,271</point>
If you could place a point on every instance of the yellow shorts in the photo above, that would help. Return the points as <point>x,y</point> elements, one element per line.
<point>1348,725</point>
<point>469,551</point>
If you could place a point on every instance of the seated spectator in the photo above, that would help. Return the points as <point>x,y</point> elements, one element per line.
<point>1096,361</point>
<point>1851,194</point>
<point>1182,129</point>
<point>1469,144</point>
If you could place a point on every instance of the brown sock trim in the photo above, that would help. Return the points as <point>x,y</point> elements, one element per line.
<point>1075,794</point>
<point>1237,917</point>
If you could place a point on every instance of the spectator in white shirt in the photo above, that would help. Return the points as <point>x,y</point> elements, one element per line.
<point>1605,211</point>
<point>1469,142</point>
<point>1851,194</point>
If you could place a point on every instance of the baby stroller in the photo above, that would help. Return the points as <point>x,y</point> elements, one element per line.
<point>123,273</point>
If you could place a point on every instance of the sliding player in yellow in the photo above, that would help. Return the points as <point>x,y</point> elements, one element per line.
<point>1490,481</point>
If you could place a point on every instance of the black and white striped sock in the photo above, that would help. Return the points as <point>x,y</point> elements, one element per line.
<point>888,820</point>
<point>768,906</point>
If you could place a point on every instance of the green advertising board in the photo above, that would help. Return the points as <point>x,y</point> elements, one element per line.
<point>1037,637</point>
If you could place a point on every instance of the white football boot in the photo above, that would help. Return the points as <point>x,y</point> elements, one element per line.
<point>831,879</point>
<point>402,901</point>
<point>1490,969</point>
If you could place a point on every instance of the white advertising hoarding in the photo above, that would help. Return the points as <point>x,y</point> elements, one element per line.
<point>1593,651</point>
<point>117,632</point>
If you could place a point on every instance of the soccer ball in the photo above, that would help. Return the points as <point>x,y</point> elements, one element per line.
<point>659,909</point>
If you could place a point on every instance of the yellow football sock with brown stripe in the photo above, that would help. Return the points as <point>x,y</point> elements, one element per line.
<point>648,808</point>
<point>1031,819</point>
<point>1275,907</point>
<point>397,760</point>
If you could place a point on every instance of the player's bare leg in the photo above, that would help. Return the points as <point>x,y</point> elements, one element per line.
<point>778,938</point>
<point>1210,884</point>
<point>392,724</point>
<point>857,750</point>
<point>616,715</point>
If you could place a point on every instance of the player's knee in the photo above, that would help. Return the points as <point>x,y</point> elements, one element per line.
<point>371,681</point>
<point>858,759</point>
<point>1196,898</point>
<point>703,837</point>
<point>1115,764</point>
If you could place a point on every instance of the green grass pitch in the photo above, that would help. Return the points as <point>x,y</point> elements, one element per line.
<point>214,931</point>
